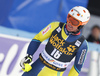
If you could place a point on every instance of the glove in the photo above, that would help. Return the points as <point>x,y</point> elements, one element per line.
<point>26,63</point>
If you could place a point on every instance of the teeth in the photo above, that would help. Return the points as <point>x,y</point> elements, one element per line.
<point>69,26</point>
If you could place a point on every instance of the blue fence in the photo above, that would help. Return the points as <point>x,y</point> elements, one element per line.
<point>34,15</point>
<point>24,34</point>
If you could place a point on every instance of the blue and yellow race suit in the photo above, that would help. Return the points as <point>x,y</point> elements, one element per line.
<point>61,48</point>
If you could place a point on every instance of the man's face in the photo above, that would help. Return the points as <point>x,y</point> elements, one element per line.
<point>72,23</point>
<point>96,32</point>
<point>71,28</point>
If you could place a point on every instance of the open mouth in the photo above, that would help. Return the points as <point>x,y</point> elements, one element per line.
<point>70,27</point>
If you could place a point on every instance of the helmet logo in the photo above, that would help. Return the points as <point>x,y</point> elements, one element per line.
<point>88,17</point>
<point>72,10</point>
<point>72,14</point>
<point>78,14</point>
<point>84,11</point>
<point>76,11</point>
<point>81,15</point>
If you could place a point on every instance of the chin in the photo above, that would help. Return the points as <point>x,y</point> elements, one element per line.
<point>69,30</point>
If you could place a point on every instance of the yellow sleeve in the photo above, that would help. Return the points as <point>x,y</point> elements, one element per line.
<point>47,31</point>
<point>73,72</point>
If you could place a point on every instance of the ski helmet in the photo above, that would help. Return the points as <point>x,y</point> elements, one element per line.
<point>78,16</point>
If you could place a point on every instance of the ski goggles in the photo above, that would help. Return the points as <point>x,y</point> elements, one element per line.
<point>75,22</point>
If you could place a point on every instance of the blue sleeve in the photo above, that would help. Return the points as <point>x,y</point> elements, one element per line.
<point>33,46</point>
<point>80,56</point>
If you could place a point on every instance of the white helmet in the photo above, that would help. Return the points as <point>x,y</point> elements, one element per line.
<point>80,13</point>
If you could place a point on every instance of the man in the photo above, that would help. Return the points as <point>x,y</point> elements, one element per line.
<point>94,35</point>
<point>65,42</point>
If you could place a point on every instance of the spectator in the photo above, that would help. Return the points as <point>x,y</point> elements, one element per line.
<point>94,36</point>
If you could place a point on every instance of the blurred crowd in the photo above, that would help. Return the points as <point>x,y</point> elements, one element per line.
<point>94,35</point>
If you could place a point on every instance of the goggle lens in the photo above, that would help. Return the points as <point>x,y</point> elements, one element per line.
<point>72,20</point>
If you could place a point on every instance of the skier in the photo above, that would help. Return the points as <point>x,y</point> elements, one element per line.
<point>65,42</point>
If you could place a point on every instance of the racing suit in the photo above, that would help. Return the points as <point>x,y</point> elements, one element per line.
<point>60,49</point>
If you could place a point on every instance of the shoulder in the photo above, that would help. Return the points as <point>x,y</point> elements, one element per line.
<point>50,27</point>
<point>55,24</point>
<point>84,45</point>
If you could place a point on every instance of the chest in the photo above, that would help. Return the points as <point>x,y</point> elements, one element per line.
<point>60,49</point>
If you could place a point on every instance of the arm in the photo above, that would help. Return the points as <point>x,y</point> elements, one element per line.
<point>79,60</point>
<point>34,44</point>
<point>41,36</point>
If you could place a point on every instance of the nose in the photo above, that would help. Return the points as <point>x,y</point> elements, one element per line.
<point>69,23</point>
